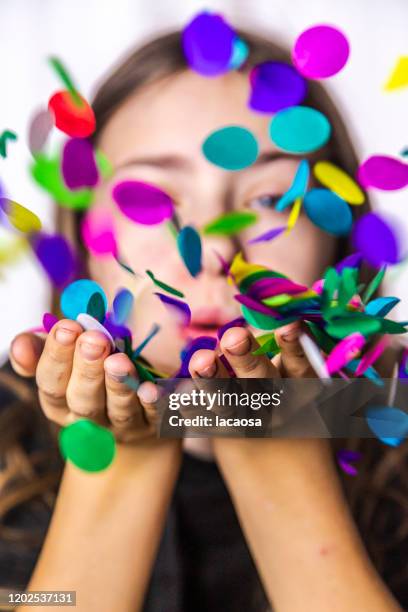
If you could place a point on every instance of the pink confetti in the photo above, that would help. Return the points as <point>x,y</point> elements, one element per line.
<point>98,232</point>
<point>344,352</point>
<point>371,356</point>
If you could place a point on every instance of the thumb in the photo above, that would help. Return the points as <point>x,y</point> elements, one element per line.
<point>25,353</point>
<point>292,361</point>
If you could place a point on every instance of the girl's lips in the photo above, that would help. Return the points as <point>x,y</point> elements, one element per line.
<point>205,322</point>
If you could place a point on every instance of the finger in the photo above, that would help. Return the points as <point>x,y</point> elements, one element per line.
<point>238,344</point>
<point>292,360</point>
<point>25,353</point>
<point>123,407</point>
<point>149,394</point>
<point>86,387</point>
<point>54,368</point>
<point>205,364</point>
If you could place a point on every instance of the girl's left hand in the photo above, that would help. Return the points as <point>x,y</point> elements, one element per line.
<point>238,344</point>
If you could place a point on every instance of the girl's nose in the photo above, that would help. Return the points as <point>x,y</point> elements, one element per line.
<point>216,252</point>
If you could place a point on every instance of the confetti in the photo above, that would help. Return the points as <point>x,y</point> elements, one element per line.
<point>46,172</point>
<point>238,322</point>
<point>274,86</point>
<point>294,215</point>
<point>181,309</point>
<point>344,326</point>
<point>269,235</point>
<point>75,297</point>
<point>344,352</point>
<point>344,459</point>
<point>5,137</point>
<point>189,247</point>
<point>20,217</point>
<point>56,256</point>
<point>122,306</point>
<point>299,129</point>
<point>377,240</point>
<point>328,211</point>
<point>383,172</point>
<point>89,446</point>
<point>351,261</point>
<point>399,76</point>
<point>230,223</point>
<point>334,178</point>
<point>320,52</point>
<point>40,127</point>
<point>96,307</point>
<point>142,202</point>
<point>371,356</point>
<point>403,365</point>
<point>149,337</point>
<point>389,424</point>
<point>89,323</point>
<point>78,164</point>
<point>164,286</point>
<point>314,356</point>
<point>381,306</point>
<point>202,342</point>
<point>240,52</point>
<point>98,232</point>
<point>62,72</point>
<point>48,321</point>
<point>232,148</point>
<point>71,118</point>
<point>298,187</point>
<point>208,44</point>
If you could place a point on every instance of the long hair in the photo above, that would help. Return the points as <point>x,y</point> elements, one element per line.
<point>378,496</point>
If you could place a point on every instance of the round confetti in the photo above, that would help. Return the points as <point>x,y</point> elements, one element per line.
<point>89,323</point>
<point>77,120</point>
<point>87,445</point>
<point>328,211</point>
<point>122,306</point>
<point>142,202</point>
<point>231,148</point>
<point>274,86</point>
<point>208,44</point>
<point>56,257</point>
<point>98,232</point>
<point>40,127</point>
<point>231,223</point>
<point>78,164</point>
<point>20,217</point>
<point>240,52</point>
<point>49,320</point>
<point>75,297</point>
<point>299,129</point>
<point>376,240</point>
<point>383,172</point>
<point>340,182</point>
<point>320,52</point>
<point>189,246</point>
<point>389,424</point>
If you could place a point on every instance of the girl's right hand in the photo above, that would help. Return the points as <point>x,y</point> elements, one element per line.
<point>77,377</point>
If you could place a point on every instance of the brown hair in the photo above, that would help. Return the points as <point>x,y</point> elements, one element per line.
<point>380,492</point>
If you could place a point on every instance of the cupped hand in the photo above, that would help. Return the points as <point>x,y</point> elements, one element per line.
<point>77,377</point>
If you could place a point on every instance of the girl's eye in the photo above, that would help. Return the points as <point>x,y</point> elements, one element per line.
<point>265,201</point>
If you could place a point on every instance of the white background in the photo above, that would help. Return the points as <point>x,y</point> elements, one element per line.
<point>90,35</point>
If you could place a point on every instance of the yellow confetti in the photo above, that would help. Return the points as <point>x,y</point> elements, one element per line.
<point>399,76</point>
<point>294,215</point>
<point>340,182</point>
<point>240,268</point>
<point>11,249</point>
<point>21,218</point>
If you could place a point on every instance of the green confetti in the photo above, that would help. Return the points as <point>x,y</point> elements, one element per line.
<point>263,321</point>
<point>231,223</point>
<point>87,445</point>
<point>268,344</point>
<point>66,79</point>
<point>373,285</point>
<point>164,286</point>
<point>96,307</point>
<point>359,322</point>
<point>6,136</point>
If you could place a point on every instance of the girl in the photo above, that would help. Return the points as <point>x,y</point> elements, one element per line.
<point>161,528</point>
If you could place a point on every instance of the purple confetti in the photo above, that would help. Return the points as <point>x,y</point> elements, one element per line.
<point>351,261</point>
<point>268,287</point>
<point>180,307</point>
<point>56,256</point>
<point>78,164</point>
<point>276,85</point>
<point>383,172</point>
<point>142,202</point>
<point>116,330</point>
<point>202,342</point>
<point>269,235</point>
<point>208,44</point>
<point>257,306</point>
<point>49,320</point>
<point>376,240</point>
<point>238,322</point>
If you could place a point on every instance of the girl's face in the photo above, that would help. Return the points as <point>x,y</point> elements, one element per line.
<point>156,136</point>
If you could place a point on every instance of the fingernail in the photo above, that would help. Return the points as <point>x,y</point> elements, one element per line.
<point>65,336</point>
<point>291,335</point>
<point>91,351</point>
<point>241,348</point>
<point>149,394</point>
<point>118,376</point>
<point>208,372</point>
